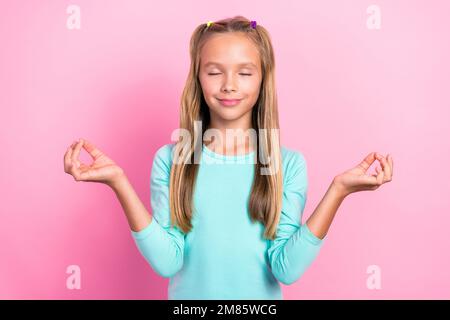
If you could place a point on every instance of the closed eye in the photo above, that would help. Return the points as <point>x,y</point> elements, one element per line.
<point>243,74</point>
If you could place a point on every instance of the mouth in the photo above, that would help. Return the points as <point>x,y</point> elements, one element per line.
<point>229,102</point>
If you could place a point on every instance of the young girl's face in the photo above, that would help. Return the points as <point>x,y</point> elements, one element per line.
<point>230,68</point>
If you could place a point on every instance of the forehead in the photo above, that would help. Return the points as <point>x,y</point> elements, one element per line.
<point>229,49</point>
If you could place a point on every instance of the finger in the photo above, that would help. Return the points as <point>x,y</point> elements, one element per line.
<point>68,157</point>
<point>386,167</point>
<point>380,176</point>
<point>92,150</point>
<point>368,181</point>
<point>368,160</point>
<point>76,154</point>
<point>376,174</point>
<point>77,173</point>
<point>391,162</point>
<point>388,176</point>
<point>67,161</point>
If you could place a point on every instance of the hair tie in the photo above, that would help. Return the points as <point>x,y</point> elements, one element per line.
<point>253,24</point>
<point>209,23</point>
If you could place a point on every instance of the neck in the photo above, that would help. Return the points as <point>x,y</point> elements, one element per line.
<point>234,140</point>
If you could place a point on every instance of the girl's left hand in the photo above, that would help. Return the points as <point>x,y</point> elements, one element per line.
<point>356,179</point>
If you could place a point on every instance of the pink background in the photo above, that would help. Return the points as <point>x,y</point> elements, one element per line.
<point>344,91</point>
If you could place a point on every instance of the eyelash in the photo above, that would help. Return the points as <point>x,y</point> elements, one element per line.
<point>244,74</point>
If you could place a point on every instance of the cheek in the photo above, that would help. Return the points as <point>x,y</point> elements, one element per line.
<point>252,87</point>
<point>209,87</point>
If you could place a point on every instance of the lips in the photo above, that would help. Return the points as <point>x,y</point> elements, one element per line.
<point>229,102</point>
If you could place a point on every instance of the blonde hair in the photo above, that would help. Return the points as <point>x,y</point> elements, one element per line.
<point>266,195</point>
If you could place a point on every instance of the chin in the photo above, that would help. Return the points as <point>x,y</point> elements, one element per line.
<point>229,113</point>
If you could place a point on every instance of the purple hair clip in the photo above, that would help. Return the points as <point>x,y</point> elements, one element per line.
<point>253,24</point>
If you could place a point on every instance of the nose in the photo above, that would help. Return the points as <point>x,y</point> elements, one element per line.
<point>229,84</point>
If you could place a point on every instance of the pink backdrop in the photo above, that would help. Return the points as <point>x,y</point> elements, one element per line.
<point>344,90</point>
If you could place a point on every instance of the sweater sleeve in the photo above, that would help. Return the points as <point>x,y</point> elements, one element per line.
<point>162,246</point>
<point>295,247</point>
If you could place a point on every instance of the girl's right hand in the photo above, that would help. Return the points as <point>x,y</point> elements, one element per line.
<point>102,170</point>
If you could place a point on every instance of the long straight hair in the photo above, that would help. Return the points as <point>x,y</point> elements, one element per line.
<point>266,194</point>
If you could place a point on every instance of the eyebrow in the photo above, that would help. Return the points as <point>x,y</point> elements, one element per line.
<point>239,64</point>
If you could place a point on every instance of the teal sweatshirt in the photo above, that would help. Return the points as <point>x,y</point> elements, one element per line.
<point>225,256</point>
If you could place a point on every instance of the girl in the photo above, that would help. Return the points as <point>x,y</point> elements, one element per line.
<point>223,227</point>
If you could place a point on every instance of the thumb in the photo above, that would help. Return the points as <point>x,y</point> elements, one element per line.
<point>367,161</point>
<point>91,149</point>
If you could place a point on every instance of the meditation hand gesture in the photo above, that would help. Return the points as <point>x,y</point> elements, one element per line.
<point>356,179</point>
<point>102,170</point>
